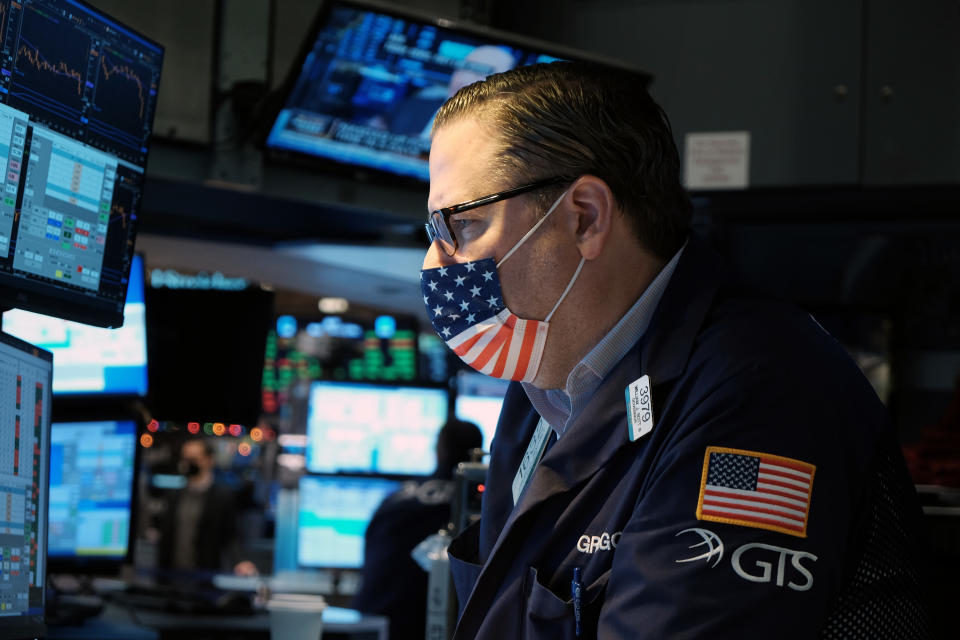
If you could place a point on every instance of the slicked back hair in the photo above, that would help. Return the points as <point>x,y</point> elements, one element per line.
<point>577,118</point>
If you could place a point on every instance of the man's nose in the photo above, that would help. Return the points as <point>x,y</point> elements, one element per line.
<point>436,257</point>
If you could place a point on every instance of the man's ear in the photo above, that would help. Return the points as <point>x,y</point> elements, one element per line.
<point>593,208</point>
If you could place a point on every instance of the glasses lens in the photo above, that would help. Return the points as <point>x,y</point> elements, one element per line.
<point>441,233</point>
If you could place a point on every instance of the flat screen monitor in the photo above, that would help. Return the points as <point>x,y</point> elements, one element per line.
<point>333,516</point>
<point>26,374</point>
<point>479,399</point>
<point>205,353</point>
<point>370,77</point>
<point>92,471</point>
<point>367,428</point>
<point>77,97</point>
<point>92,360</point>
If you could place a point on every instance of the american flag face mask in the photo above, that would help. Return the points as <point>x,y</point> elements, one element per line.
<point>465,305</point>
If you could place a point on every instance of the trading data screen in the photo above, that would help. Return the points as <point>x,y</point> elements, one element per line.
<point>370,84</point>
<point>369,428</point>
<point>479,400</point>
<point>25,374</point>
<point>77,98</point>
<point>91,488</point>
<point>333,518</point>
<point>92,360</point>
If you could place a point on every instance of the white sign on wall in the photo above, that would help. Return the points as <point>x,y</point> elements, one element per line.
<point>718,160</point>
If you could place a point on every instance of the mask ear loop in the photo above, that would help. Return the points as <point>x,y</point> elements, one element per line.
<point>532,229</point>
<point>567,290</point>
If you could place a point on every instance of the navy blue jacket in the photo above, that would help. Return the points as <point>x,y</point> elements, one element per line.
<point>730,369</point>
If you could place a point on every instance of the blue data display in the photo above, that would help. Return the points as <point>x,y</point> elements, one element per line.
<point>91,360</point>
<point>333,518</point>
<point>368,428</point>
<point>371,83</point>
<point>91,488</point>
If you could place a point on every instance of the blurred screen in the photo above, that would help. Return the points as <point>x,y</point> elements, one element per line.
<point>91,360</point>
<point>91,488</point>
<point>333,518</point>
<point>370,83</point>
<point>370,428</point>
<point>479,400</point>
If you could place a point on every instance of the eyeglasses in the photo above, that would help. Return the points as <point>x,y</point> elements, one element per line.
<point>438,222</point>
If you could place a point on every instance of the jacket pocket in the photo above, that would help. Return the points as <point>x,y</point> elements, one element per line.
<point>548,615</point>
<point>464,568</point>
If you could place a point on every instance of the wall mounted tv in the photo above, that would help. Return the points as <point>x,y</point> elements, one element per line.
<point>370,77</point>
<point>77,97</point>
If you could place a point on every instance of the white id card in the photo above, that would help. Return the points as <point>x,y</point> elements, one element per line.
<point>639,408</point>
<point>530,459</point>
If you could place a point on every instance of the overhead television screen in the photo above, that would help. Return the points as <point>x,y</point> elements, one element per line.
<point>370,78</point>
<point>92,360</point>
<point>77,97</point>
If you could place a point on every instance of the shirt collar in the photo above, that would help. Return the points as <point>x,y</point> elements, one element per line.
<point>561,407</point>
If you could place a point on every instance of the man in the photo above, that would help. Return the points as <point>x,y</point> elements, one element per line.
<point>199,532</point>
<point>678,457</point>
<point>392,584</point>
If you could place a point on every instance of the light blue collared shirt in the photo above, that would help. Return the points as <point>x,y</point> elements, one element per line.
<point>562,407</point>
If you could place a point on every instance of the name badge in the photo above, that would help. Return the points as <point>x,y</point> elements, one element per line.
<point>639,408</point>
<point>530,459</point>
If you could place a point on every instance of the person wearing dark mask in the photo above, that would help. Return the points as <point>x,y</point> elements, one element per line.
<point>199,532</point>
<point>677,456</point>
<point>392,584</point>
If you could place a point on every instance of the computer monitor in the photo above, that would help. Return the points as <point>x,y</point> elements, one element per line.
<point>205,353</point>
<point>92,475</point>
<point>26,374</point>
<point>479,399</point>
<point>333,516</point>
<point>369,79</point>
<point>89,360</point>
<point>368,428</point>
<point>77,97</point>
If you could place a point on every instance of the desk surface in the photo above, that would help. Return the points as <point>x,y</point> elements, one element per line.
<point>117,623</point>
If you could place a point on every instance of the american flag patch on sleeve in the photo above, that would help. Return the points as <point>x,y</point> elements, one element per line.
<point>755,490</point>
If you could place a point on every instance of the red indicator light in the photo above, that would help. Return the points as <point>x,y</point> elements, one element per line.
<point>236,430</point>
<point>153,426</point>
<point>481,488</point>
<point>193,427</point>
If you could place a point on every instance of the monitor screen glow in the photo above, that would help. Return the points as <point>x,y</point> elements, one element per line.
<point>367,428</point>
<point>92,360</point>
<point>78,92</point>
<point>333,518</point>
<point>479,400</point>
<point>370,80</point>
<point>25,406</point>
<point>91,489</point>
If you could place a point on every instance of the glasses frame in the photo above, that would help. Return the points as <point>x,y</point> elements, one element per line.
<point>438,220</point>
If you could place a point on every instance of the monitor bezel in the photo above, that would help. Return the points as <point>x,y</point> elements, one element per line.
<point>47,298</point>
<point>103,565</point>
<point>360,172</point>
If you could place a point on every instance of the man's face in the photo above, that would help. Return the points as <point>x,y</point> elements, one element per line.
<point>462,156</point>
<point>194,452</point>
